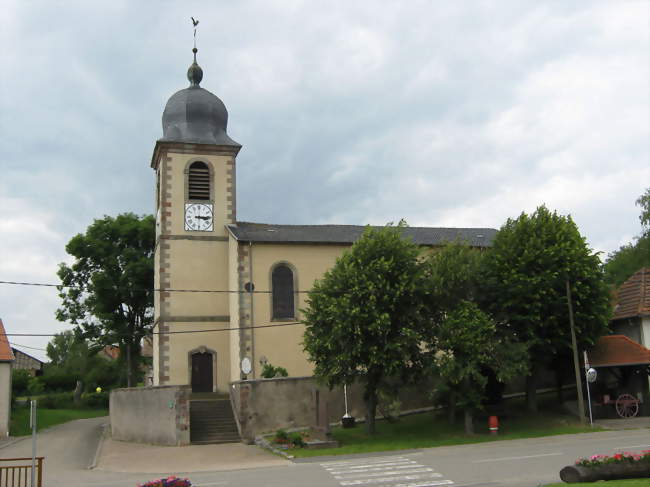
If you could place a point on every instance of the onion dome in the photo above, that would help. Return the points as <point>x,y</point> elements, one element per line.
<point>194,115</point>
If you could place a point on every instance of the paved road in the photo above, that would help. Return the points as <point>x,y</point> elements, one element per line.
<point>70,447</point>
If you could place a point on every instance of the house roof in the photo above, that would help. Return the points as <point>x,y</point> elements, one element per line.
<point>6,355</point>
<point>618,350</point>
<point>348,234</point>
<point>633,296</point>
<point>17,352</point>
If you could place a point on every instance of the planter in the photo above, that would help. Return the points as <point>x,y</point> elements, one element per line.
<point>348,422</point>
<point>611,471</point>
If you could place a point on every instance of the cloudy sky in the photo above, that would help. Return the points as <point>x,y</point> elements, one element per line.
<point>442,113</point>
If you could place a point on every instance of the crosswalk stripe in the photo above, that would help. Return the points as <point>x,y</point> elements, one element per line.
<point>395,471</point>
<point>393,478</point>
<point>357,468</point>
<point>364,460</point>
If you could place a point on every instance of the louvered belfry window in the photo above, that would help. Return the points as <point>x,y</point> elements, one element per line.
<point>282,282</point>
<point>198,181</point>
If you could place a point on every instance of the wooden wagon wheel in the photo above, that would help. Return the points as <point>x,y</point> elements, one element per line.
<point>627,406</point>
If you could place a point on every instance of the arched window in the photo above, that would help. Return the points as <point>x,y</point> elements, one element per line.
<point>198,181</point>
<point>282,290</point>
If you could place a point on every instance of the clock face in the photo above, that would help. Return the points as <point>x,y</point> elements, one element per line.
<point>198,217</point>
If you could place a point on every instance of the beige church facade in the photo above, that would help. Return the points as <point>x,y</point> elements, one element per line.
<point>231,291</point>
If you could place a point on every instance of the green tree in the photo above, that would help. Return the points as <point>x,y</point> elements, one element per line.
<point>631,257</point>
<point>451,278</point>
<point>644,202</point>
<point>107,292</point>
<point>526,271</point>
<point>363,316</point>
<point>62,347</point>
<point>466,342</point>
<point>19,381</point>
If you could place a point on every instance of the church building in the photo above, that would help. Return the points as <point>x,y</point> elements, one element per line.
<point>253,271</point>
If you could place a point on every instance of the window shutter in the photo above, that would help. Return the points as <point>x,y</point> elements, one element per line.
<point>198,182</point>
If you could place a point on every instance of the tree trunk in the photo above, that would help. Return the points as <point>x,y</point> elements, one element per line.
<point>78,390</point>
<point>451,410</point>
<point>469,421</point>
<point>531,391</point>
<point>371,409</point>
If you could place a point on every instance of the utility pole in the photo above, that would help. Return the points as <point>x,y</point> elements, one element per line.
<point>576,363</point>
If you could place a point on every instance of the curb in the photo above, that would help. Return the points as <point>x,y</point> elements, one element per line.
<point>13,441</point>
<point>263,443</point>
<point>100,444</point>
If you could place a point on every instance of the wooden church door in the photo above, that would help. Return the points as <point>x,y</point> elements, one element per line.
<point>202,372</point>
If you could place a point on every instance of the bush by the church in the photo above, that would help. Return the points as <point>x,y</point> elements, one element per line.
<point>269,371</point>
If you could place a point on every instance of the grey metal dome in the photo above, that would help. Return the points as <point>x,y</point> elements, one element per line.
<point>195,115</point>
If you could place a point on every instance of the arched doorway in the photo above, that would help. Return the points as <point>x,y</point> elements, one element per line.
<point>202,371</point>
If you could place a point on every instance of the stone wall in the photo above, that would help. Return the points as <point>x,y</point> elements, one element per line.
<point>157,415</point>
<point>265,405</point>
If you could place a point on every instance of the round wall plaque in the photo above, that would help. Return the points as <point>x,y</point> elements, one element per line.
<point>246,365</point>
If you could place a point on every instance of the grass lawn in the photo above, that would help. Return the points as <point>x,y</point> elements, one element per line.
<point>48,417</point>
<point>426,430</point>
<point>609,483</point>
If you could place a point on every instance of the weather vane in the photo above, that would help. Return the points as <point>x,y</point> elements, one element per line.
<point>194,23</point>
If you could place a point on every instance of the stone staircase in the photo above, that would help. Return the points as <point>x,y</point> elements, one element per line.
<point>212,419</point>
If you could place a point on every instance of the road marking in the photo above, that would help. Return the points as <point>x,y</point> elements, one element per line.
<point>379,474</point>
<point>368,468</point>
<point>629,446</point>
<point>503,459</point>
<point>394,471</point>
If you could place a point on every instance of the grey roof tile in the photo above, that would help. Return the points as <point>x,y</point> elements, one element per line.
<point>348,234</point>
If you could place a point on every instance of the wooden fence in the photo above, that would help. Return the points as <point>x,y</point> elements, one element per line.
<point>19,473</point>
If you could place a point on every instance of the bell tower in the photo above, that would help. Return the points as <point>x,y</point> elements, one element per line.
<point>194,162</point>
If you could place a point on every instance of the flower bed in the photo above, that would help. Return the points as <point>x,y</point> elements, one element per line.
<point>172,481</point>
<point>605,467</point>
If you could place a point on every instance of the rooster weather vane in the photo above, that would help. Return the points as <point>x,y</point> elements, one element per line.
<point>194,23</point>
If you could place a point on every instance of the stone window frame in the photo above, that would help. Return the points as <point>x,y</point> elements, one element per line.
<point>186,177</point>
<point>202,349</point>
<point>294,273</point>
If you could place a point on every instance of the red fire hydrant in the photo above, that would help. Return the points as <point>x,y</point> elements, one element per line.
<point>493,424</point>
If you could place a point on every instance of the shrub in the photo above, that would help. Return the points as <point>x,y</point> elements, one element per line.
<point>95,400</point>
<point>281,436</point>
<point>19,381</point>
<point>56,379</point>
<point>61,400</point>
<point>296,440</point>
<point>269,371</point>
<point>35,386</point>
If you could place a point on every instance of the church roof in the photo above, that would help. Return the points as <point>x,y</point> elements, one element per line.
<point>348,234</point>
<point>194,115</point>
<point>633,296</point>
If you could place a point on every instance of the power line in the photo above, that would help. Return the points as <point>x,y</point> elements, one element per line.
<point>26,346</point>
<point>292,323</point>
<point>161,290</point>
